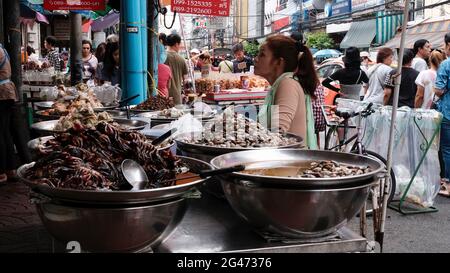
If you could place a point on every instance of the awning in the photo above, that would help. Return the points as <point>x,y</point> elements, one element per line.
<point>431,31</point>
<point>360,34</point>
<point>336,28</point>
<point>105,22</point>
<point>387,25</point>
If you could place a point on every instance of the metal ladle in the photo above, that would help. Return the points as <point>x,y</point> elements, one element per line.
<point>136,176</point>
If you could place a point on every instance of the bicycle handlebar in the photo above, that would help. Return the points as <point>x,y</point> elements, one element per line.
<point>364,113</point>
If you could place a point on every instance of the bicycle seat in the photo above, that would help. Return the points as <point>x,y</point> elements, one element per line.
<point>344,113</point>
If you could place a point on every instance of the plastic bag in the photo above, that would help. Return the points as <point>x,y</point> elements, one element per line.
<point>186,124</point>
<point>108,94</point>
<point>414,130</point>
<point>49,93</point>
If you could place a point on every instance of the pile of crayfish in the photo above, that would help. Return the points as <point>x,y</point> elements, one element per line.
<point>90,159</point>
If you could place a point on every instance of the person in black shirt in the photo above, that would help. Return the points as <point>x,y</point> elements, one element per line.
<point>408,87</point>
<point>241,63</point>
<point>350,78</point>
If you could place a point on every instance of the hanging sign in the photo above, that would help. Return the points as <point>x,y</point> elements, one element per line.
<point>74,4</point>
<point>202,7</point>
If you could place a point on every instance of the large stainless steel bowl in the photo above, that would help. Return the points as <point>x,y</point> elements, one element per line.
<point>295,207</point>
<point>112,229</point>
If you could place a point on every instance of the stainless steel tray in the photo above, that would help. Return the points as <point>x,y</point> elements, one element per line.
<point>118,113</point>
<point>131,124</point>
<point>104,108</point>
<point>34,143</point>
<point>39,114</point>
<point>46,127</point>
<point>117,197</point>
<point>44,104</point>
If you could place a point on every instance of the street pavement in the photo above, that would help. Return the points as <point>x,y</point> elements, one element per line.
<point>21,230</point>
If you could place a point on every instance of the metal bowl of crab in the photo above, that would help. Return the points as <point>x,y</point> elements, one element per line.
<point>113,197</point>
<point>272,195</point>
<point>113,221</point>
<point>35,144</point>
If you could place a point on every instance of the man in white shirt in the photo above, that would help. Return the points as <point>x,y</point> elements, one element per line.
<point>422,49</point>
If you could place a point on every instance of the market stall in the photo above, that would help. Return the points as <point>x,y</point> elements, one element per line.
<point>228,88</point>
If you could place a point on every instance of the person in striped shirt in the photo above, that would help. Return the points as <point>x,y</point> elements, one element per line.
<point>53,57</point>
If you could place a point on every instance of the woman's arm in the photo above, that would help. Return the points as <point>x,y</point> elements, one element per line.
<point>327,83</point>
<point>289,94</point>
<point>418,101</point>
<point>387,95</point>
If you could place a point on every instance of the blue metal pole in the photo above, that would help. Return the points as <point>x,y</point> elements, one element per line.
<point>155,45</point>
<point>144,38</point>
<point>131,48</point>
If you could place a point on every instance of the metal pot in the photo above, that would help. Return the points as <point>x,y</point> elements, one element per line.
<point>207,153</point>
<point>295,213</point>
<point>296,207</point>
<point>111,228</point>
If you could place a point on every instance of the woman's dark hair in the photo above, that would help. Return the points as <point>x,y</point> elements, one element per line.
<point>51,40</point>
<point>447,38</point>
<point>109,62</point>
<point>352,59</point>
<point>408,56</point>
<point>383,54</point>
<point>173,39</point>
<point>100,52</point>
<point>163,39</point>
<point>87,42</point>
<point>419,44</point>
<point>30,50</point>
<point>298,59</point>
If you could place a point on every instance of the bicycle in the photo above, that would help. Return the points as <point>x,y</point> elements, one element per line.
<point>339,132</point>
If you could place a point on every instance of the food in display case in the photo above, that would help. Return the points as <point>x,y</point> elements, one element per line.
<point>248,82</point>
<point>156,103</point>
<point>89,159</point>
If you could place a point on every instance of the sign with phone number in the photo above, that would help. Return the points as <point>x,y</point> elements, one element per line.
<point>74,4</point>
<point>202,7</point>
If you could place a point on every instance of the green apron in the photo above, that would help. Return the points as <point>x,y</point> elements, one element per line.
<point>265,113</point>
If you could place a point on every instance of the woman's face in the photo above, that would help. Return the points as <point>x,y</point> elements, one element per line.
<point>388,60</point>
<point>86,50</point>
<point>47,45</point>
<point>264,62</point>
<point>116,56</point>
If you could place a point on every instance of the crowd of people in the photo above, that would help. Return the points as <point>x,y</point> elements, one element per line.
<point>99,66</point>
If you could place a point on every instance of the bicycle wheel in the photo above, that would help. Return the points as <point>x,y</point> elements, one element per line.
<point>332,140</point>
<point>393,184</point>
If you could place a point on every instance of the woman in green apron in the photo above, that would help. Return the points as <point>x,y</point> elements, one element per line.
<point>288,66</point>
